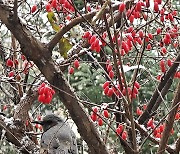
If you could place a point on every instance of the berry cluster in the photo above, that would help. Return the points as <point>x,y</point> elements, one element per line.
<point>45,93</point>
<point>13,65</point>
<point>76,65</point>
<point>93,41</point>
<point>163,67</point>
<point>109,90</point>
<point>121,132</point>
<point>96,112</point>
<point>139,110</point>
<point>157,131</point>
<point>59,5</point>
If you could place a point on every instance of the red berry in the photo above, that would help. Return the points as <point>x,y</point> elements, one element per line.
<point>106,113</point>
<point>169,62</point>
<point>46,90</point>
<point>106,90</point>
<point>136,84</point>
<point>110,92</point>
<point>71,70</point>
<point>162,66</point>
<point>96,42</point>
<point>174,13</point>
<point>48,99</point>
<point>150,36</point>
<point>168,36</point>
<point>163,50</point>
<point>48,7</point>
<point>34,8</point>
<point>149,47</point>
<point>141,34</point>
<point>152,126</point>
<point>147,3</point>
<point>138,111</point>
<point>158,31</point>
<point>124,135</point>
<point>131,18</point>
<point>138,6</point>
<point>118,131</point>
<point>150,122</point>
<point>43,84</point>
<point>162,11</point>
<point>23,57</point>
<point>130,29</point>
<point>156,7</point>
<point>156,131</point>
<point>170,16</point>
<point>122,7</point>
<point>11,74</point>
<point>162,18</point>
<point>54,3</point>
<point>106,84</point>
<point>121,127</point>
<point>159,1</point>
<point>41,90</point>
<point>41,98</point>
<point>109,67</point>
<point>98,48</point>
<point>158,135</point>
<point>94,117</point>
<point>111,74</point>
<point>161,128</point>
<point>76,64</point>
<point>9,63</point>
<point>95,109</point>
<point>135,90</point>
<point>92,39</point>
<point>100,122</point>
<point>177,116</point>
<point>159,77</point>
<point>144,106</point>
<point>87,35</point>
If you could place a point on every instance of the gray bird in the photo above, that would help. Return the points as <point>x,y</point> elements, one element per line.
<point>58,137</point>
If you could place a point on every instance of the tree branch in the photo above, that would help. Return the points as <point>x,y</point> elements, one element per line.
<point>169,122</point>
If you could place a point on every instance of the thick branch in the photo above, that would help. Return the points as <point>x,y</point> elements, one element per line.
<point>169,122</point>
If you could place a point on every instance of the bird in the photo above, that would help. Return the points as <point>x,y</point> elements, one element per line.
<point>57,137</point>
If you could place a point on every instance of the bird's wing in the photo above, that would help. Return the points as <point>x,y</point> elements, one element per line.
<point>74,149</point>
<point>59,140</point>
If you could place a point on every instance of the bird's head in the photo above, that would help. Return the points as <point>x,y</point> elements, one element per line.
<point>49,121</point>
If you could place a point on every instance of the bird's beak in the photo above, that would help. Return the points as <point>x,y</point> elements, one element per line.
<point>38,122</point>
